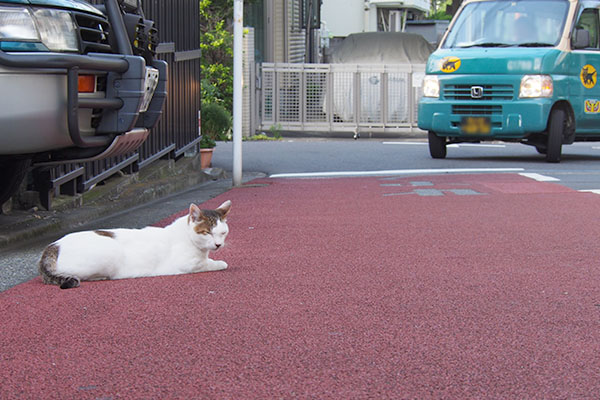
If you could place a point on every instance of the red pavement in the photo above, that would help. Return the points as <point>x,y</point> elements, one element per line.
<point>339,288</point>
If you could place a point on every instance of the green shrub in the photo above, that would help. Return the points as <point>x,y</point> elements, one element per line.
<point>216,123</point>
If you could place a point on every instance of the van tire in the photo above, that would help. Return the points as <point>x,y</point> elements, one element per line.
<point>13,172</point>
<point>556,128</point>
<point>437,145</point>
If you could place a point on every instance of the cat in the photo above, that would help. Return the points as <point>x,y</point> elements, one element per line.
<point>179,248</point>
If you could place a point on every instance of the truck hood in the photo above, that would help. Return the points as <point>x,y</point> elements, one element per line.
<point>78,5</point>
<point>509,60</point>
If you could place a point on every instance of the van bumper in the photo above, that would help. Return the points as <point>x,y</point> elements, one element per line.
<point>509,120</point>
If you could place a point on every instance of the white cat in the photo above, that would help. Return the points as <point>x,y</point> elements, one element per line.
<point>179,248</point>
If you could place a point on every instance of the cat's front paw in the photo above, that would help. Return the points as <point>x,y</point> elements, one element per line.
<point>217,265</point>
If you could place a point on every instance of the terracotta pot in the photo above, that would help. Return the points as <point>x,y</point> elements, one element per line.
<point>205,158</point>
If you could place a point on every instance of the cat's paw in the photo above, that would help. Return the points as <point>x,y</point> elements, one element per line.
<point>217,265</point>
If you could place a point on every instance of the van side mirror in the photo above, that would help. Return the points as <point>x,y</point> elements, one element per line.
<point>581,39</point>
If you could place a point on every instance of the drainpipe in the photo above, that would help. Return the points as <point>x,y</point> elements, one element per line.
<point>238,32</point>
<point>366,8</point>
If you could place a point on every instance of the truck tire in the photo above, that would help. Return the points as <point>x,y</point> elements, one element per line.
<point>13,172</point>
<point>437,145</point>
<point>556,127</point>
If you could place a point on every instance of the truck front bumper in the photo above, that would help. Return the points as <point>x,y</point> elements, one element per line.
<point>42,110</point>
<point>509,120</point>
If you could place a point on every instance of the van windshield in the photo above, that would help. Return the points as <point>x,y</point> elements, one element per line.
<point>525,23</point>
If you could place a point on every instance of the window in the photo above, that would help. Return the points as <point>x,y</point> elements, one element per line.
<point>588,20</point>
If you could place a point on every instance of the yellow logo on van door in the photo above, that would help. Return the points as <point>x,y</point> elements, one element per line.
<point>450,64</point>
<point>592,106</point>
<point>588,76</point>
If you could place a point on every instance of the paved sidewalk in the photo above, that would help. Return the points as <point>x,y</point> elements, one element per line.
<point>343,289</point>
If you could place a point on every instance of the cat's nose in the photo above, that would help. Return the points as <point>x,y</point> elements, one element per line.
<point>217,245</point>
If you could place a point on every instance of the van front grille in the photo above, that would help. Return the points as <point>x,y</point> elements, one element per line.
<point>487,92</point>
<point>476,109</point>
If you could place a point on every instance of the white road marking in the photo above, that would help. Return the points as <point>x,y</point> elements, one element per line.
<point>408,143</point>
<point>392,172</point>
<point>595,191</point>
<point>539,177</point>
<point>501,146</point>
<point>455,145</point>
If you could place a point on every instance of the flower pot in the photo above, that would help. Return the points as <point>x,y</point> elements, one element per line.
<point>205,157</point>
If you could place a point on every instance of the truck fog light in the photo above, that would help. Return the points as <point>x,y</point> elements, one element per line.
<point>536,86</point>
<point>431,86</point>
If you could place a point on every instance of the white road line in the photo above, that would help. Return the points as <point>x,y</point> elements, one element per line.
<point>501,146</point>
<point>595,191</point>
<point>455,145</point>
<point>539,177</point>
<point>392,172</point>
<point>408,143</point>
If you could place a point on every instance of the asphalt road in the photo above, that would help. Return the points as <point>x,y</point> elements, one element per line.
<point>578,170</point>
<point>420,286</point>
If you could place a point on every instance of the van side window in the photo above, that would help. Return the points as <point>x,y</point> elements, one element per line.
<point>589,21</point>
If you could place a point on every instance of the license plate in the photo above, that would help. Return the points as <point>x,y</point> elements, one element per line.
<point>476,125</point>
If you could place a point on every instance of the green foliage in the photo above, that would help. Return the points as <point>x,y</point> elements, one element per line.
<point>260,137</point>
<point>440,15</point>
<point>216,42</point>
<point>216,123</point>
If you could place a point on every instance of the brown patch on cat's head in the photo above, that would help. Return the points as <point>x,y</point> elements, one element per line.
<point>197,215</point>
<point>203,220</point>
<point>108,234</point>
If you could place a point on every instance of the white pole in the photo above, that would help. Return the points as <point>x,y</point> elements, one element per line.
<point>238,17</point>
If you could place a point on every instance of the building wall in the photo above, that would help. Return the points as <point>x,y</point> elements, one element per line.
<point>343,17</point>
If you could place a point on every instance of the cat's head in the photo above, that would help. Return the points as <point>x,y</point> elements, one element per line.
<point>208,228</point>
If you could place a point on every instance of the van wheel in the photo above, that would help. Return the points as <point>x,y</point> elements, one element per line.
<point>437,145</point>
<point>13,172</point>
<point>556,127</point>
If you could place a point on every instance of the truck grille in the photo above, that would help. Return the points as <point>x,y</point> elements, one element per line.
<point>489,92</point>
<point>476,109</point>
<point>94,33</point>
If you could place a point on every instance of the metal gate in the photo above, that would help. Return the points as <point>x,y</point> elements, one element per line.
<point>340,97</point>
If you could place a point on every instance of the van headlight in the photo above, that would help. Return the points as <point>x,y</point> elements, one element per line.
<point>431,86</point>
<point>55,29</point>
<point>536,86</point>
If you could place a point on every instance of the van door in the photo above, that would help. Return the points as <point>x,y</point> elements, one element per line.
<point>585,88</point>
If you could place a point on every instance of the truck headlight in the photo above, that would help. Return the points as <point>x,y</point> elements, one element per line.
<point>431,86</point>
<point>536,86</point>
<point>55,29</point>
<point>16,24</point>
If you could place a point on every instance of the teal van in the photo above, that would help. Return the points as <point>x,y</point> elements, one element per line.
<point>515,70</point>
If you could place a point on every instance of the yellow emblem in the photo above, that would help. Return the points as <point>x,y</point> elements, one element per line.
<point>592,106</point>
<point>450,64</point>
<point>588,76</point>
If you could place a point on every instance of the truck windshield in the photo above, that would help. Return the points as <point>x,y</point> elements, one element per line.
<point>525,23</point>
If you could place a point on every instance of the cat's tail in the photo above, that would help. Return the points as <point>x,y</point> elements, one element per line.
<point>47,267</point>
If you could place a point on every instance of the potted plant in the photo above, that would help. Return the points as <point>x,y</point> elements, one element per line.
<point>216,123</point>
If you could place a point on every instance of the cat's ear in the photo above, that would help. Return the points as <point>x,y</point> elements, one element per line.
<point>224,209</point>
<point>195,213</point>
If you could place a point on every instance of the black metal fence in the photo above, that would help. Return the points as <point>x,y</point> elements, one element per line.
<point>178,25</point>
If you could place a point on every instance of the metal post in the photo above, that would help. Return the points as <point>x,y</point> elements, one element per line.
<point>238,13</point>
